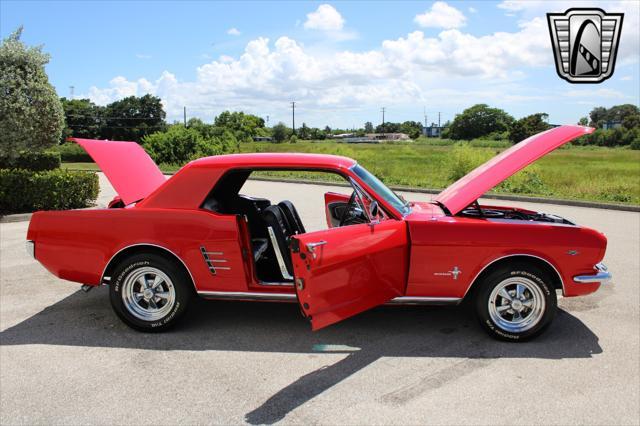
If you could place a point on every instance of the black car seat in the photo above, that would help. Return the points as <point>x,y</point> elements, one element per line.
<point>252,208</point>
<point>278,230</point>
<point>292,216</point>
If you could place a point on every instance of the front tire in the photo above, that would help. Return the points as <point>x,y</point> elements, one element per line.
<point>516,302</point>
<point>149,292</point>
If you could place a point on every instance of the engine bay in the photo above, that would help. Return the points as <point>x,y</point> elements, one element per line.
<point>496,212</point>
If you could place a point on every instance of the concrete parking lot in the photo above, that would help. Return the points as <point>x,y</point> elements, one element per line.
<point>66,359</point>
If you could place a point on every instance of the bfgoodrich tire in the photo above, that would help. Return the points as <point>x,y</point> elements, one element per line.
<point>150,292</point>
<point>516,302</point>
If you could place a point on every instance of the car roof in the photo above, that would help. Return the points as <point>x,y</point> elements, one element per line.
<point>275,160</point>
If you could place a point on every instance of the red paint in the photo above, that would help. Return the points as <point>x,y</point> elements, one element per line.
<point>359,267</point>
<point>128,167</point>
<point>470,187</point>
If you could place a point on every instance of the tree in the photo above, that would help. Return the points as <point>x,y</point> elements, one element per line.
<point>280,132</point>
<point>132,118</point>
<point>584,121</point>
<point>83,118</point>
<point>244,126</point>
<point>304,132</point>
<point>528,126</point>
<point>411,128</point>
<point>180,144</point>
<point>31,116</point>
<point>368,127</point>
<point>627,114</point>
<point>388,128</point>
<point>479,120</point>
<point>317,134</point>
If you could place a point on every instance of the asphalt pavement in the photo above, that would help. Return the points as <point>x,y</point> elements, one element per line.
<point>66,359</point>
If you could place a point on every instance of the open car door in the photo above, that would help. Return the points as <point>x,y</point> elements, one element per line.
<point>343,271</point>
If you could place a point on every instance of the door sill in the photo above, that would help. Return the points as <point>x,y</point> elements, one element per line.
<point>291,297</point>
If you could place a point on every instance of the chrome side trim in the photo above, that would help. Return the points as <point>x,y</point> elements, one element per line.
<point>241,295</point>
<point>276,284</point>
<point>102,277</point>
<point>279,257</point>
<point>291,297</point>
<point>514,255</point>
<point>209,261</point>
<point>602,276</point>
<point>416,300</point>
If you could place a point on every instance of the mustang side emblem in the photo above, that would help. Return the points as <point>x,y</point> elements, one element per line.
<point>454,272</point>
<point>585,42</point>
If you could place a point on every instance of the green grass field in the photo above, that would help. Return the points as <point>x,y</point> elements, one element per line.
<point>583,173</point>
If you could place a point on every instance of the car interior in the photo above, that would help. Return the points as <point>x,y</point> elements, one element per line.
<point>271,225</point>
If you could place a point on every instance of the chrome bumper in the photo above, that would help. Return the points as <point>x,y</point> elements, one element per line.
<point>602,276</point>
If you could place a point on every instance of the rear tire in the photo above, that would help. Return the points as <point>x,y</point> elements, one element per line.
<point>150,292</point>
<point>516,302</point>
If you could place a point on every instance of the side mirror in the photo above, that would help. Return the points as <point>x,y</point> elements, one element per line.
<point>373,212</point>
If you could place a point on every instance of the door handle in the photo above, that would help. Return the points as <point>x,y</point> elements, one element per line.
<point>311,247</point>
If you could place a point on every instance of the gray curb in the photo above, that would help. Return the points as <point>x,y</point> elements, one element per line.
<point>21,217</point>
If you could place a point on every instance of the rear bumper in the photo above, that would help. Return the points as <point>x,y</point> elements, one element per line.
<point>601,276</point>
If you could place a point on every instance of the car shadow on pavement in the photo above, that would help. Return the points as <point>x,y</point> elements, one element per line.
<point>86,319</point>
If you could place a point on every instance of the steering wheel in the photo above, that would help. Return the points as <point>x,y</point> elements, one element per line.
<point>347,212</point>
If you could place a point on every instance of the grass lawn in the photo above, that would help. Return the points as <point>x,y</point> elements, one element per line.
<point>584,173</point>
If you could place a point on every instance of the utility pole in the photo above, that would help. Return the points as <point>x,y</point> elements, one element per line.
<point>267,121</point>
<point>71,91</point>
<point>438,119</point>
<point>424,111</point>
<point>185,116</point>
<point>383,109</point>
<point>293,116</point>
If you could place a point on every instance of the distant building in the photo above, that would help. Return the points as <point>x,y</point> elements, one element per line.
<point>341,136</point>
<point>611,125</point>
<point>388,136</point>
<point>433,131</point>
<point>262,138</point>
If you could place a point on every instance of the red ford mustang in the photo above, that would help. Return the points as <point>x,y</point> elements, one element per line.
<point>163,241</point>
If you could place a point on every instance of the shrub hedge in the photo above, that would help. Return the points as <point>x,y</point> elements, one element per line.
<point>35,161</point>
<point>24,191</point>
<point>71,152</point>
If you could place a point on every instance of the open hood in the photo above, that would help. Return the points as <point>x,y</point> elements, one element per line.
<point>470,187</point>
<point>128,167</point>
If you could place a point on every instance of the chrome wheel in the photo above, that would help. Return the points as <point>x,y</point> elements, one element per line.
<point>516,304</point>
<point>148,294</point>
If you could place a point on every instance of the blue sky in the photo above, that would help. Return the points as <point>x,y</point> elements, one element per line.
<point>340,61</point>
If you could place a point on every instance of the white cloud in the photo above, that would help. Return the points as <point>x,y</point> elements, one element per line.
<point>441,15</point>
<point>325,18</point>
<point>629,48</point>
<point>596,93</point>
<point>452,69</point>
<point>233,31</point>
<point>143,56</point>
<point>472,10</point>
<point>626,78</point>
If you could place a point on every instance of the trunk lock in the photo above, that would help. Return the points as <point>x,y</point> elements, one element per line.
<point>300,283</point>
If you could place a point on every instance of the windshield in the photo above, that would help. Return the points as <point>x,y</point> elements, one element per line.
<point>395,200</point>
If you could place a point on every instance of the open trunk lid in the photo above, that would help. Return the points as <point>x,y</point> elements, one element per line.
<point>480,180</point>
<point>128,167</point>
